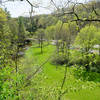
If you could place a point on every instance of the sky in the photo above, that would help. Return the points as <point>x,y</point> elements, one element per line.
<point>18,8</point>
<point>22,8</point>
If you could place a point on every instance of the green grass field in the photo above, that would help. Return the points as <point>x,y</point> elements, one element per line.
<point>46,84</point>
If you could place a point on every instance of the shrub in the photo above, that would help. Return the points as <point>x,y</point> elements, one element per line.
<point>59,59</point>
<point>81,73</point>
<point>90,61</point>
<point>96,64</point>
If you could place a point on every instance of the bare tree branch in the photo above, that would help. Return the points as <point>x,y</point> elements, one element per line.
<point>93,8</point>
<point>52,1</point>
<point>87,20</point>
<point>73,12</point>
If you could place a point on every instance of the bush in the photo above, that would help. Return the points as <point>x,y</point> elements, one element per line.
<point>76,60</point>
<point>81,73</point>
<point>90,61</point>
<point>96,64</point>
<point>59,60</point>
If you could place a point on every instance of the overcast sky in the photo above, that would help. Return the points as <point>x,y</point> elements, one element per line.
<point>18,8</point>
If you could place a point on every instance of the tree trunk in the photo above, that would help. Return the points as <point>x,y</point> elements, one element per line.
<point>41,44</point>
<point>16,68</point>
<point>57,45</point>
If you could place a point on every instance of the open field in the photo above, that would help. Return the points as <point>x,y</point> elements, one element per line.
<point>48,80</point>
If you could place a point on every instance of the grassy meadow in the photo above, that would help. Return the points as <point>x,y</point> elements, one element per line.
<point>46,84</point>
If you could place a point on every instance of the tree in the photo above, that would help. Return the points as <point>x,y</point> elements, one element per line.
<point>7,13</point>
<point>46,20</point>
<point>21,31</point>
<point>4,37</point>
<point>63,8</point>
<point>6,87</point>
<point>50,32</point>
<point>40,36</point>
<point>9,42</point>
<point>68,34</point>
<point>98,39</point>
<point>87,37</point>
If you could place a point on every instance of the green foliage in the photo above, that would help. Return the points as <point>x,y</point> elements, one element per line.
<point>5,41</point>
<point>21,30</point>
<point>2,16</point>
<point>40,32</point>
<point>8,77</point>
<point>90,60</point>
<point>46,20</point>
<point>59,59</point>
<point>8,88</point>
<point>40,87</point>
<point>87,37</point>
<point>96,64</point>
<point>98,36</point>
<point>50,31</point>
<point>81,73</point>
